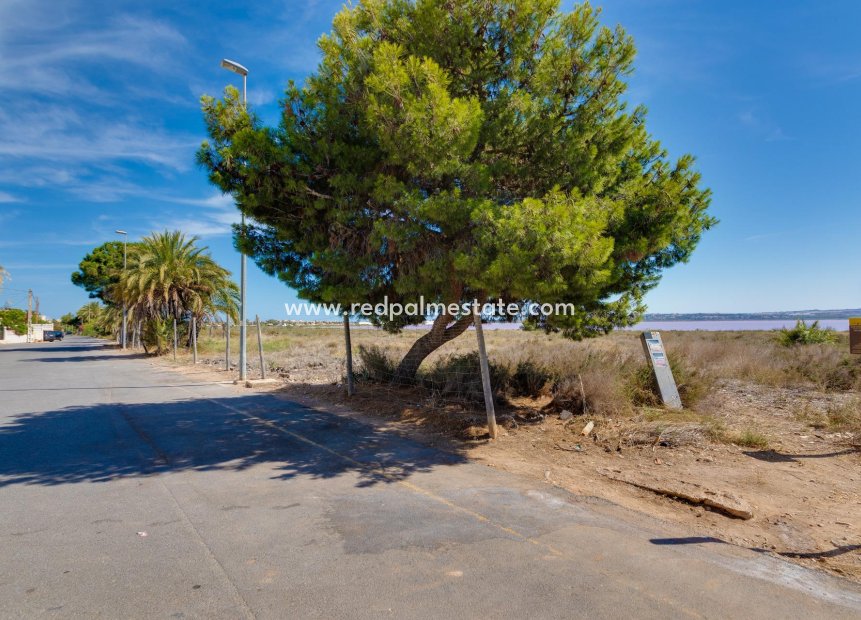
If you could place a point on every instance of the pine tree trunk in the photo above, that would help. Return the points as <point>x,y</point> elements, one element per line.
<point>440,333</point>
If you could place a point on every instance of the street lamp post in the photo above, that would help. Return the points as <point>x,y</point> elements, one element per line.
<point>125,306</point>
<point>243,365</point>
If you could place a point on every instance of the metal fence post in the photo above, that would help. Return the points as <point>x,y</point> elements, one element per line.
<point>174,340</point>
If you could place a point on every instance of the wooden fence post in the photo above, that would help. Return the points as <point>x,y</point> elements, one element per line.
<point>351,388</point>
<point>485,374</point>
<point>260,347</point>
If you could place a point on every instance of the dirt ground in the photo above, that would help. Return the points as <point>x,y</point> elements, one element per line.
<point>803,489</point>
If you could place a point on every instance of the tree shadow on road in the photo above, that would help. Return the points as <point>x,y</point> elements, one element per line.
<point>810,555</point>
<point>89,358</point>
<point>50,347</point>
<point>109,441</point>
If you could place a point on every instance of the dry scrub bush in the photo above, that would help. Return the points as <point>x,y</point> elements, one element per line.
<point>663,434</point>
<point>375,365</point>
<point>846,417</point>
<point>760,358</point>
<point>693,384</point>
<point>601,376</point>
<point>459,377</point>
<point>826,368</point>
<point>605,394</point>
<point>749,439</point>
<point>530,379</point>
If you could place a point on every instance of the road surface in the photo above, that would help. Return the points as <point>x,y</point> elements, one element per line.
<point>128,490</point>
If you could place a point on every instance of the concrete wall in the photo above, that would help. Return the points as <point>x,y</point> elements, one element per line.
<point>36,331</point>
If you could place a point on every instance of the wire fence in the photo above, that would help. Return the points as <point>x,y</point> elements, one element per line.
<point>336,360</point>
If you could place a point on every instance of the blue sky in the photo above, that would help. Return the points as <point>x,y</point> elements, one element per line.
<point>100,120</point>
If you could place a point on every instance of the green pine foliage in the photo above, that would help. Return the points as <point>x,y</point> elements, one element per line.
<point>102,267</point>
<point>457,150</point>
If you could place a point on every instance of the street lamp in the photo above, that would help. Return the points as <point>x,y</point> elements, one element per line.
<point>243,366</point>
<point>125,308</point>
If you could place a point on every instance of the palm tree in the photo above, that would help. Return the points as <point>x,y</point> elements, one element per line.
<point>173,278</point>
<point>89,313</point>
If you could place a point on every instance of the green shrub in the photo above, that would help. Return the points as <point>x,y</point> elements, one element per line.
<point>693,384</point>
<point>644,388</point>
<point>530,379</point>
<point>803,333</point>
<point>88,329</point>
<point>459,376</point>
<point>14,319</point>
<point>157,336</point>
<point>749,439</point>
<point>376,365</point>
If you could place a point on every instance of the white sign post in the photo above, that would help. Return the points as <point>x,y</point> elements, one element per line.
<point>654,348</point>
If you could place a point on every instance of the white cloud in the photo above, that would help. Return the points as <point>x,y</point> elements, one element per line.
<point>8,215</point>
<point>217,214</point>
<point>216,200</point>
<point>45,266</point>
<point>831,69</point>
<point>53,132</point>
<point>769,130</point>
<point>197,227</point>
<point>7,197</point>
<point>77,79</point>
<point>44,52</point>
<point>50,240</point>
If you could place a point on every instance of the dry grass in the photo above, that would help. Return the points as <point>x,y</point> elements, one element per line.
<point>604,376</point>
<point>812,417</point>
<point>748,438</point>
<point>846,417</point>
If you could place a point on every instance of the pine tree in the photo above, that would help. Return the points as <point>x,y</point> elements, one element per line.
<point>459,150</point>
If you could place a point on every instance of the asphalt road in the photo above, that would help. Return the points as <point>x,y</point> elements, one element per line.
<point>130,491</point>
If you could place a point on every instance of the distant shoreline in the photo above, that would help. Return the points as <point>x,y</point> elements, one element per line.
<point>840,325</point>
<point>787,315</point>
<point>837,320</point>
<point>734,325</point>
<point>650,317</point>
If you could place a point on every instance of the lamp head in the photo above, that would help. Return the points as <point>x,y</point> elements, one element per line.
<point>234,66</point>
<point>121,232</point>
